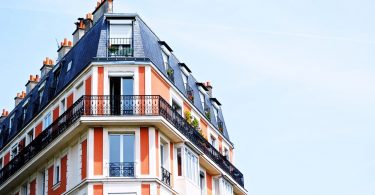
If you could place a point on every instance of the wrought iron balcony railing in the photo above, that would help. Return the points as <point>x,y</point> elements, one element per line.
<point>165,176</point>
<point>121,169</point>
<point>112,106</point>
<point>120,47</point>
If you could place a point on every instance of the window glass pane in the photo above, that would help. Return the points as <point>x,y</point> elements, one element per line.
<point>128,148</point>
<point>114,153</point>
<point>127,86</point>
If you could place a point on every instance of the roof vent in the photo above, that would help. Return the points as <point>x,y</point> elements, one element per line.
<point>19,97</point>
<point>47,66</point>
<point>33,81</point>
<point>102,7</point>
<point>80,30</point>
<point>65,47</point>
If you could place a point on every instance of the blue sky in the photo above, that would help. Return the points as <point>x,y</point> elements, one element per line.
<point>296,79</point>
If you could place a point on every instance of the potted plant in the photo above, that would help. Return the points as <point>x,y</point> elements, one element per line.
<point>170,72</point>
<point>195,124</point>
<point>188,117</point>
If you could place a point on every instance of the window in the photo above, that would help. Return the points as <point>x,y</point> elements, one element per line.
<point>11,121</point>
<point>226,153</point>
<point>179,162</point>
<point>165,60</point>
<point>164,154</point>
<point>80,91</point>
<point>1,163</point>
<point>47,120</point>
<point>24,189</point>
<point>69,66</point>
<point>63,105</point>
<point>213,141</point>
<point>120,41</point>
<point>42,182</point>
<point>30,136</point>
<point>24,109</point>
<point>185,79</point>
<point>202,182</point>
<point>41,92</point>
<point>121,155</point>
<point>216,112</point>
<point>14,151</point>
<point>227,189</point>
<point>191,166</point>
<point>201,95</point>
<point>176,107</point>
<point>56,172</point>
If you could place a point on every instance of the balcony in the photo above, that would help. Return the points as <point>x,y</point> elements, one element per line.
<point>124,106</point>
<point>120,47</point>
<point>165,176</point>
<point>121,169</point>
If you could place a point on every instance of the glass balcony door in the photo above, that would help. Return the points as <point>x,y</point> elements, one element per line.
<point>121,155</point>
<point>121,92</point>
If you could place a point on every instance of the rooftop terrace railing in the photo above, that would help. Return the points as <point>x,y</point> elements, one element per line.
<point>120,47</point>
<point>118,106</point>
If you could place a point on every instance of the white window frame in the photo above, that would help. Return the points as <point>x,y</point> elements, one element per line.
<point>165,57</point>
<point>185,79</point>
<point>191,166</point>
<point>203,99</point>
<point>11,123</point>
<point>47,120</point>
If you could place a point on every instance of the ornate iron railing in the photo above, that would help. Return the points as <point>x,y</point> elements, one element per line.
<point>165,176</point>
<point>121,169</point>
<point>120,47</point>
<point>114,106</point>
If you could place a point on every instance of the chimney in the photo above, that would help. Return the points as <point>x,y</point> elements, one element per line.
<point>88,22</point>
<point>102,7</point>
<point>3,115</point>
<point>65,47</point>
<point>33,81</point>
<point>47,66</point>
<point>209,87</point>
<point>80,30</point>
<point>19,97</point>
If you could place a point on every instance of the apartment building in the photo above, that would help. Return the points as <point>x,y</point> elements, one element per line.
<point>116,113</point>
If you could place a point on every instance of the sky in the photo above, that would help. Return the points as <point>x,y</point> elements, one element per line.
<point>296,78</point>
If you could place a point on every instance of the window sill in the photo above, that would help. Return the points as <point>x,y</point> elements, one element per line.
<point>57,185</point>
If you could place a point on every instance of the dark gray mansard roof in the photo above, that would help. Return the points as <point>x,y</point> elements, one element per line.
<point>93,47</point>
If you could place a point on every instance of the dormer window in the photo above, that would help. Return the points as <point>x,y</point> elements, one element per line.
<point>24,109</point>
<point>120,38</point>
<point>41,92</point>
<point>11,121</point>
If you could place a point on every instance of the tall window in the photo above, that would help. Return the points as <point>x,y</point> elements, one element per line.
<point>227,188</point>
<point>179,161</point>
<point>213,141</point>
<point>1,163</point>
<point>14,151</point>
<point>63,105</point>
<point>41,92</point>
<point>47,120</point>
<point>201,95</point>
<point>165,60</point>
<point>216,113</point>
<point>24,189</point>
<point>176,107</point>
<point>185,79</point>
<point>121,155</point>
<point>11,122</point>
<point>164,154</point>
<point>226,153</point>
<point>56,172</point>
<point>202,182</point>
<point>191,166</point>
<point>24,110</point>
<point>30,136</point>
<point>120,41</point>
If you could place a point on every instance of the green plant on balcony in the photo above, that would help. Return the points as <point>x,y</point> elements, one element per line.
<point>208,114</point>
<point>112,49</point>
<point>195,124</point>
<point>188,117</point>
<point>170,72</point>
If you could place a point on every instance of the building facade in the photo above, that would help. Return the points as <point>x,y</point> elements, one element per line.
<point>116,114</point>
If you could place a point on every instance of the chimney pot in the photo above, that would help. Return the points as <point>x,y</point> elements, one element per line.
<point>209,87</point>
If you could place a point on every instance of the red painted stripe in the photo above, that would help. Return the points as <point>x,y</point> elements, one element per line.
<point>84,160</point>
<point>145,159</point>
<point>98,151</point>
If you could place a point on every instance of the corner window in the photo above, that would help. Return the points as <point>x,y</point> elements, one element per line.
<point>121,155</point>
